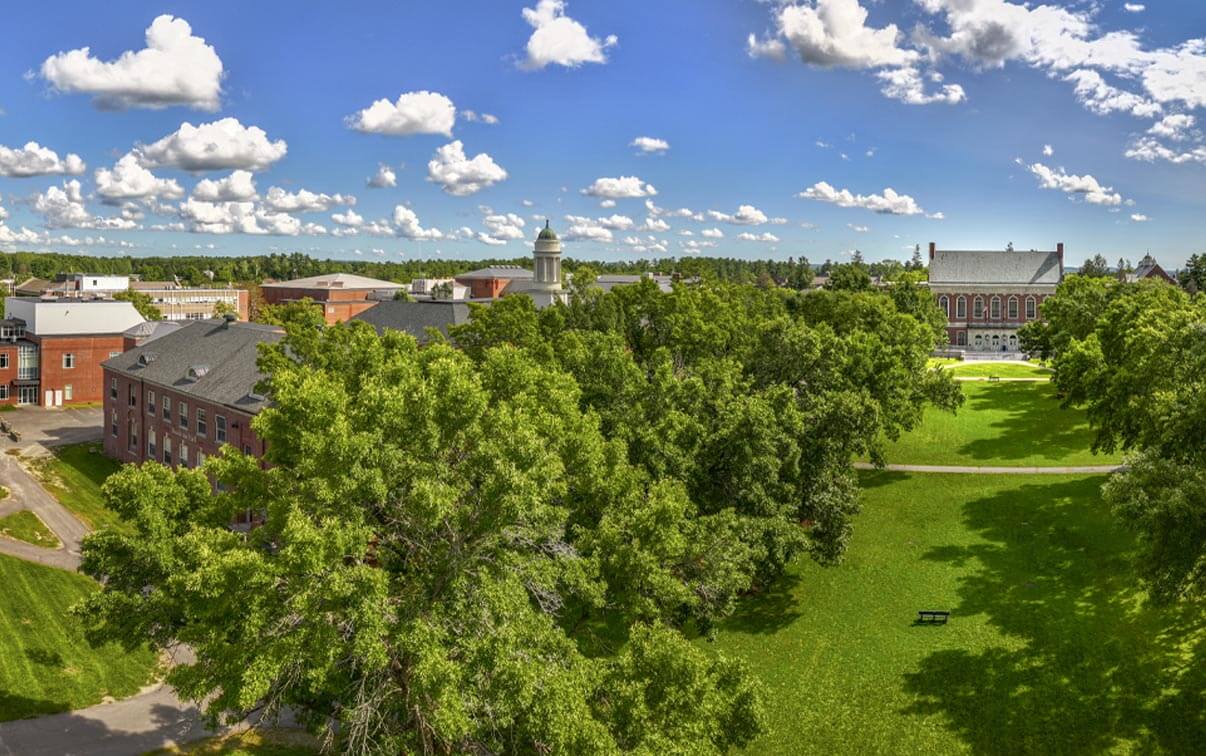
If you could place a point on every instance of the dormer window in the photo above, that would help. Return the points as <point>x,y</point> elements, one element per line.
<point>196,372</point>
<point>146,358</point>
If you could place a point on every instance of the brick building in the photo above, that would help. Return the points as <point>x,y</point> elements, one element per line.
<point>174,301</point>
<point>52,351</point>
<point>988,295</point>
<point>341,296</point>
<point>179,398</point>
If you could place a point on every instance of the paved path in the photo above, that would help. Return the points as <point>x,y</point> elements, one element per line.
<point>27,493</point>
<point>1002,380</point>
<point>973,470</point>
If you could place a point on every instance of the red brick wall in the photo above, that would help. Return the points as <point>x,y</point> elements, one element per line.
<point>137,417</point>
<point>8,375</point>
<point>338,305</point>
<point>86,378</point>
<point>484,288</point>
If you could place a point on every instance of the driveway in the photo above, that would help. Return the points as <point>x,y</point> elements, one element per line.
<point>42,428</point>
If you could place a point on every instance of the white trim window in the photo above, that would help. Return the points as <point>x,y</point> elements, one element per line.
<point>994,308</point>
<point>961,308</point>
<point>1031,308</point>
<point>944,303</point>
<point>1012,308</point>
<point>68,360</point>
<point>978,307</point>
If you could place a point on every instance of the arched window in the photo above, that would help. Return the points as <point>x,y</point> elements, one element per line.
<point>961,338</point>
<point>978,308</point>
<point>961,308</point>
<point>994,308</point>
<point>1031,308</point>
<point>944,303</point>
<point>1012,308</point>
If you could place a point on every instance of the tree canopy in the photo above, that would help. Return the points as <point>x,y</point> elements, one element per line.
<point>142,302</point>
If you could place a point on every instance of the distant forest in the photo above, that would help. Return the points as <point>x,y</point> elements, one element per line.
<point>201,270</point>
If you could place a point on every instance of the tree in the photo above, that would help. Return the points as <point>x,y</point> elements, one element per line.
<point>222,309</point>
<point>1095,267</point>
<point>402,295</point>
<point>1193,276</point>
<point>915,262</point>
<point>849,277</point>
<point>1070,314</point>
<point>435,527</point>
<point>142,302</point>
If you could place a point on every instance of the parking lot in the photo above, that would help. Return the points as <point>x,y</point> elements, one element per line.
<point>40,428</point>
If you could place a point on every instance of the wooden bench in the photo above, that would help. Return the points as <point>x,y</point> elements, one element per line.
<point>938,616</point>
<point>994,379</point>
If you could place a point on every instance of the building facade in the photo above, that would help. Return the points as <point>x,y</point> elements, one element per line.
<point>341,296</point>
<point>174,301</point>
<point>988,295</point>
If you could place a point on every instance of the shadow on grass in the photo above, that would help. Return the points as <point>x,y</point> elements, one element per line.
<point>769,611</point>
<point>1033,423</point>
<point>14,706</point>
<point>879,478</point>
<point>1091,667</point>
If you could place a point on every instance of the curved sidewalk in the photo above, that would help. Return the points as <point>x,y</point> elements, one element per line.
<point>988,470</point>
<point>28,493</point>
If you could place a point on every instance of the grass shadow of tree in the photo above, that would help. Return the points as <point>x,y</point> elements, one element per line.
<point>1056,433</point>
<point>776,607</point>
<point>13,706</point>
<point>1090,667</point>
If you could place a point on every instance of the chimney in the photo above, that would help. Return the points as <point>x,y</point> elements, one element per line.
<point>229,318</point>
<point>933,249</point>
<point>1059,250</point>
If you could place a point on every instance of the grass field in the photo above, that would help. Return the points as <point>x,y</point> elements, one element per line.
<point>1006,424</point>
<point>1049,648</point>
<point>46,665</point>
<point>27,526</point>
<point>251,743</point>
<point>1001,370</point>
<point>74,475</point>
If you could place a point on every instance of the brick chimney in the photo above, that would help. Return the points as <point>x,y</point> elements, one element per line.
<point>1059,250</point>
<point>934,248</point>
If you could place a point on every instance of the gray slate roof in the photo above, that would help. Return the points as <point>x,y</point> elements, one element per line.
<point>415,317</point>
<point>513,272</point>
<point>1017,267</point>
<point>346,281</point>
<point>149,330</point>
<point>228,351</point>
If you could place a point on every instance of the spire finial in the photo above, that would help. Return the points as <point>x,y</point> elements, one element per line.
<point>546,222</point>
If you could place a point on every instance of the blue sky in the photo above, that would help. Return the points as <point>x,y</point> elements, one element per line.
<point>839,124</point>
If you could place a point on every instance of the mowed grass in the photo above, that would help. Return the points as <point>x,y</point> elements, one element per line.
<point>1050,647</point>
<point>46,665</point>
<point>1001,424</point>
<point>250,743</point>
<point>1001,370</point>
<point>74,474</point>
<point>27,526</point>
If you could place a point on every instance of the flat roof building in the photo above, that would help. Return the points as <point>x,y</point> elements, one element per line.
<point>341,296</point>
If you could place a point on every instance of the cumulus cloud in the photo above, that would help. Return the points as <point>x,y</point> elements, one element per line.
<point>241,218</point>
<point>1085,186</point>
<point>501,227</point>
<point>746,215</point>
<point>348,218</point>
<point>624,187</point>
<point>888,203</point>
<point>384,178</point>
<point>712,233</point>
<point>303,201</point>
<point>237,187</point>
<point>1176,127</point>
<point>1048,150</point>
<point>1101,98</point>
<point>420,112</point>
<point>617,222</point>
<point>834,33</point>
<point>905,84</point>
<point>35,160</point>
<point>476,117</point>
<point>650,145</point>
<point>1139,218</point>
<point>460,175</point>
<point>225,144</point>
<point>1152,150</point>
<point>1134,7</point>
<point>128,180</point>
<point>654,224</point>
<point>64,208</point>
<point>409,226</point>
<point>586,229</point>
<point>560,40</point>
<point>175,68</point>
<point>857,228</point>
<point>766,237</point>
<point>682,212</point>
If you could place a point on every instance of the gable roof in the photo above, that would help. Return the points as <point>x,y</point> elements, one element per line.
<point>334,281</point>
<point>991,267</point>
<point>226,350</point>
<point>415,317</point>
<point>512,272</point>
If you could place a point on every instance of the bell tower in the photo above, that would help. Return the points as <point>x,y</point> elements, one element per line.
<point>548,260</point>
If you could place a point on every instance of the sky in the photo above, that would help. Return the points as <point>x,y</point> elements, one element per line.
<point>744,128</point>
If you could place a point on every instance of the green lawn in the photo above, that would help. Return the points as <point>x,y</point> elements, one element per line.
<point>1049,649</point>
<point>27,526</point>
<point>74,475</point>
<point>1001,370</point>
<point>1006,424</point>
<point>46,665</point>
<point>251,743</point>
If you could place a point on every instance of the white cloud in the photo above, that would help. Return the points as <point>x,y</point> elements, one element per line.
<point>654,224</point>
<point>582,228</point>
<point>624,187</point>
<point>35,160</point>
<point>1101,98</point>
<point>503,226</point>
<point>461,176</point>
<point>237,187</point>
<point>409,227</point>
<point>175,68</point>
<point>746,215</point>
<point>348,218</point>
<point>905,84</point>
<point>130,181</point>
<point>1134,7</point>
<point>888,203</point>
<point>241,218</point>
<point>561,40</point>
<point>413,113</point>
<point>834,33</point>
<point>695,245</point>
<point>384,178</point>
<point>1150,150</point>
<point>1139,218</point>
<point>857,229</point>
<point>766,237</point>
<point>303,201</point>
<point>617,222</point>
<point>64,208</point>
<point>771,47</point>
<point>1085,186</point>
<point>1175,127</point>
<point>476,117</point>
<point>220,145</point>
<point>712,233</point>
<point>1048,150</point>
<point>650,145</point>
<point>682,212</point>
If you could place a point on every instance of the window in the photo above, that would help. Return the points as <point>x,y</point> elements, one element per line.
<point>113,389</point>
<point>961,338</point>
<point>133,400</point>
<point>1030,308</point>
<point>151,402</point>
<point>978,308</point>
<point>68,360</point>
<point>113,354</point>
<point>4,361</point>
<point>184,415</point>
<point>200,458</point>
<point>220,429</point>
<point>994,308</point>
<point>167,450</point>
<point>150,443</point>
<point>247,449</point>
<point>961,308</point>
<point>67,392</point>
<point>113,424</point>
<point>944,303</point>
<point>201,424</point>
<point>167,407</point>
<point>131,435</point>
<point>1012,308</point>
<point>183,456</point>
<point>3,391</point>
<point>27,365</point>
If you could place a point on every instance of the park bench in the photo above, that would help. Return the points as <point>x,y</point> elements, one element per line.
<point>933,615</point>
<point>994,378</point>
